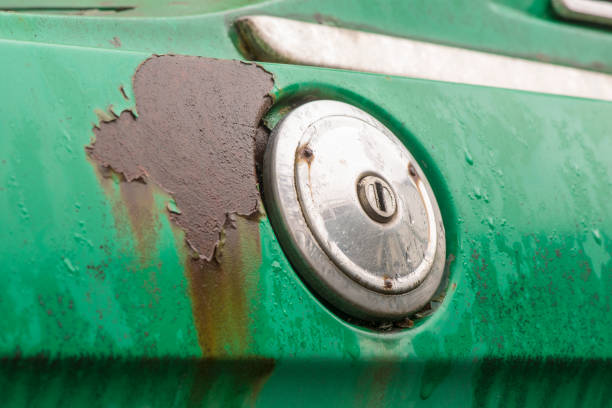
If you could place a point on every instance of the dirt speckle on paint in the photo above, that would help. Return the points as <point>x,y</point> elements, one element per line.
<point>195,137</point>
<point>116,42</point>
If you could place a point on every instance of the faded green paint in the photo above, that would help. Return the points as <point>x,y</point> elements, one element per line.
<point>97,302</point>
<point>75,282</point>
<point>514,27</point>
<point>123,8</point>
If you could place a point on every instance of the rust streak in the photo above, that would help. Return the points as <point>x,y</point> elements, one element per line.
<point>133,202</point>
<point>220,289</point>
<point>305,153</point>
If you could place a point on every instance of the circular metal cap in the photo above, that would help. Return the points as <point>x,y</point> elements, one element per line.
<point>354,211</point>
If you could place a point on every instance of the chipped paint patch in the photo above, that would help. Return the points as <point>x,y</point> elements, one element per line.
<point>194,137</point>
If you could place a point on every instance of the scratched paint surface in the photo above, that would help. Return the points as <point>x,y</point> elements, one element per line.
<point>99,308</point>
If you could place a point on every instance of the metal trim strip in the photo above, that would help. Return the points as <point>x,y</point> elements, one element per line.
<point>276,39</point>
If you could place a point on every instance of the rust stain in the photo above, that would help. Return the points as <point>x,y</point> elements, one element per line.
<point>374,383</point>
<point>140,205</point>
<point>195,139</point>
<point>305,153</point>
<point>388,283</point>
<point>135,203</point>
<point>220,289</point>
<point>412,172</point>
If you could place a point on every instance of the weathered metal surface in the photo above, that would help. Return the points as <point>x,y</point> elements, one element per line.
<point>95,312</point>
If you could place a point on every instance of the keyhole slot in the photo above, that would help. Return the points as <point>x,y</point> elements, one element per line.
<point>377,198</point>
<point>380,196</point>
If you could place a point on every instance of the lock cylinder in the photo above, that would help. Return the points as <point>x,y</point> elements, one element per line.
<point>354,211</point>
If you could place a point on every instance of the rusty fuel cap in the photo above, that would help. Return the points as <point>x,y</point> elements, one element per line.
<point>353,211</point>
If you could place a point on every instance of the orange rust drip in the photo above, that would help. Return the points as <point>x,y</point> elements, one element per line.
<point>220,288</point>
<point>134,210</point>
<point>195,139</point>
<point>305,153</point>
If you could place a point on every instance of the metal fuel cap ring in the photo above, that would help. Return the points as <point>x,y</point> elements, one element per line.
<point>353,211</point>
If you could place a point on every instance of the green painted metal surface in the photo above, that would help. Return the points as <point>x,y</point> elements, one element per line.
<point>526,28</point>
<point>98,309</point>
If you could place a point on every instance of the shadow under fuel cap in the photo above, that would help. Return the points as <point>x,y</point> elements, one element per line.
<point>353,211</point>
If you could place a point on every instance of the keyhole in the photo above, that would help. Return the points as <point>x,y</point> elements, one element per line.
<point>377,198</point>
<point>380,196</point>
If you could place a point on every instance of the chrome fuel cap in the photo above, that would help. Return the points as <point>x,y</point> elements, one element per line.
<point>353,211</point>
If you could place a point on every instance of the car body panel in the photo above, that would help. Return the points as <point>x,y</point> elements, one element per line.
<point>100,308</point>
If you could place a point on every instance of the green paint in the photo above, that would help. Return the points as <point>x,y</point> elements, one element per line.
<point>95,296</point>
<point>123,8</point>
<point>74,282</point>
<point>524,28</point>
